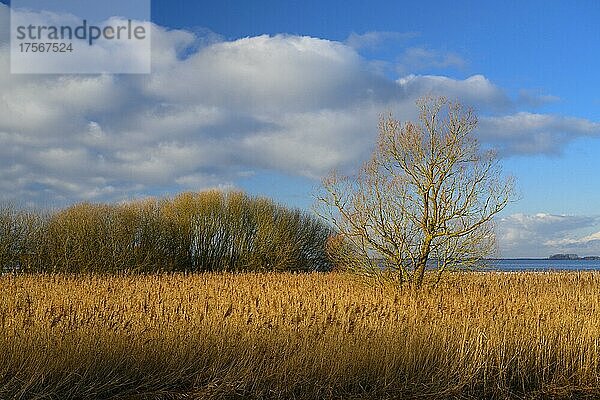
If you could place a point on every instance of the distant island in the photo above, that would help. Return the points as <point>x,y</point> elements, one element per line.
<point>572,257</point>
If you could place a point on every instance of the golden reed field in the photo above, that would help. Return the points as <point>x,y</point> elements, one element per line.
<point>299,336</point>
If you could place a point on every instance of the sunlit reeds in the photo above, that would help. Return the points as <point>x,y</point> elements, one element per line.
<point>478,335</point>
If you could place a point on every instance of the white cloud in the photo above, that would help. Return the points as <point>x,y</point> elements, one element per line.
<point>543,234</point>
<point>215,111</point>
<point>585,241</point>
<point>476,90</point>
<point>530,133</point>
<point>270,74</point>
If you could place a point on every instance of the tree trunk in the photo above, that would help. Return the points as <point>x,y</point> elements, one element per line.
<point>422,262</point>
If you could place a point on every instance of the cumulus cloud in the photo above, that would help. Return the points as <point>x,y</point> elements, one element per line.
<point>266,74</point>
<point>570,242</point>
<point>543,234</point>
<point>475,90</point>
<point>531,133</point>
<point>214,111</point>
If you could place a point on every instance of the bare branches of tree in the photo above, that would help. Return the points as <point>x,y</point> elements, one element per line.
<point>426,198</point>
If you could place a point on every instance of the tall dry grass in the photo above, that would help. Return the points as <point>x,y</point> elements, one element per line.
<point>308,336</point>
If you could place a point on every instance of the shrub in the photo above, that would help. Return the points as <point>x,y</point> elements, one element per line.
<point>20,234</point>
<point>192,232</point>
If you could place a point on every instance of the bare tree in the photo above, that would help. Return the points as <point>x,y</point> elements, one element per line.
<point>426,198</point>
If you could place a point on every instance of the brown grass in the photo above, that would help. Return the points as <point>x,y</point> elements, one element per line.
<point>489,335</point>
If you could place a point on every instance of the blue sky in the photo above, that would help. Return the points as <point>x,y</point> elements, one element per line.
<point>268,96</point>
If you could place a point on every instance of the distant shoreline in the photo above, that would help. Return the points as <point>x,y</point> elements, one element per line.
<point>591,258</point>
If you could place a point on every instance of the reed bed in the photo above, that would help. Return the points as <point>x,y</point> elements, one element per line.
<point>301,336</point>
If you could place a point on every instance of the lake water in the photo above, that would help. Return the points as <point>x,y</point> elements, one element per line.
<point>544,265</point>
<point>528,264</point>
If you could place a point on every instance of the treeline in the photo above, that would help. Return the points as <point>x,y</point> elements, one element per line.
<point>193,232</point>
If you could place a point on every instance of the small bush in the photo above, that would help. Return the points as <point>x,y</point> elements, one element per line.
<point>20,236</point>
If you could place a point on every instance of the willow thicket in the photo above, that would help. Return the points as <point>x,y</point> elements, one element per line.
<point>193,232</point>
